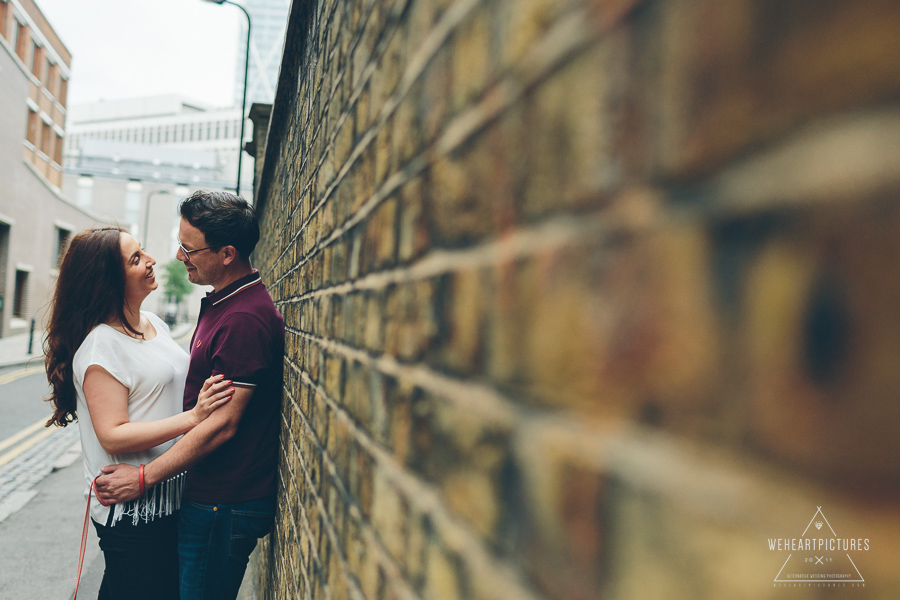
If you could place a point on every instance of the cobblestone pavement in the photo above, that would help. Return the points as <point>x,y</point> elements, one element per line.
<point>19,476</point>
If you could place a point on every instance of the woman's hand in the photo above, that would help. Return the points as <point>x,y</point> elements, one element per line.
<point>215,393</point>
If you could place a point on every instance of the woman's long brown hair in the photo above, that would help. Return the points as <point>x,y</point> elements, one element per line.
<point>90,290</point>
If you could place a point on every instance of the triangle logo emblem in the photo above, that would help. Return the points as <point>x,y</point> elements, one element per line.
<point>819,555</point>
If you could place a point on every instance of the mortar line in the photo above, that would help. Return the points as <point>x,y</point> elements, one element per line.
<point>478,398</point>
<point>558,233</point>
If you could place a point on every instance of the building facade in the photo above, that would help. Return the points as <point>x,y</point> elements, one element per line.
<point>36,220</point>
<point>268,21</point>
<point>168,139</point>
<point>132,161</point>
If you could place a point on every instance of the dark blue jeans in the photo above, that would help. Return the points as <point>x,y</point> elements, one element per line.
<point>215,542</point>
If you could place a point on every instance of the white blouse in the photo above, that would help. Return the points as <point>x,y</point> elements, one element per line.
<point>154,372</point>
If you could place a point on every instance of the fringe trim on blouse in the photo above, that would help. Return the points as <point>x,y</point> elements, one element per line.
<point>162,500</point>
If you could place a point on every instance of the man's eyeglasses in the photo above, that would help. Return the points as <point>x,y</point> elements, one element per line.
<point>189,252</point>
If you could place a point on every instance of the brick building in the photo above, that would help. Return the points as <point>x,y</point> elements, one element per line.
<point>586,299</point>
<point>36,220</point>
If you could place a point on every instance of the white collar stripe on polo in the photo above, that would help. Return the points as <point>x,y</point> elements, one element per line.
<point>240,289</point>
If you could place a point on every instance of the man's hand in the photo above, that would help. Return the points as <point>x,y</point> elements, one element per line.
<point>119,484</point>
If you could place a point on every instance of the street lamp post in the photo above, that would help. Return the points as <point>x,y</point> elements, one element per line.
<point>147,212</point>
<point>244,100</point>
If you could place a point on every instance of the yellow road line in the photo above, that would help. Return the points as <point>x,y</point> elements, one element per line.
<point>22,434</point>
<point>10,377</point>
<point>5,458</point>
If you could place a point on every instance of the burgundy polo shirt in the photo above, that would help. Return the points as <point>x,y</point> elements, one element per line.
<point>239,334</point>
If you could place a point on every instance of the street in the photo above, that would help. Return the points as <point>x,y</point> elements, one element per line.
<point>41,485</point>
<point>41,507</point>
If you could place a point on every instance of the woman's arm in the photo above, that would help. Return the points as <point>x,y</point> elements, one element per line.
<point>107,401</point>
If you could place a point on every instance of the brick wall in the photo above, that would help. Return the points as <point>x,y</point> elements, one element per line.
<point>584,299</point>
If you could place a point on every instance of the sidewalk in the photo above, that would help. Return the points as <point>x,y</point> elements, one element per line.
<point>14,348</point>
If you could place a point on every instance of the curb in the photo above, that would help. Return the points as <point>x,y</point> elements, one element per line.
<point>21,362</point>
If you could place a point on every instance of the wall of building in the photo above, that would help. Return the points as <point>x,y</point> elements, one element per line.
<point>584,299</point>
<point>32,210</point>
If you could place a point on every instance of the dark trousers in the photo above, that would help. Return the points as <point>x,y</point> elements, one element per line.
<point>215,542</point>
<point>141,560</point>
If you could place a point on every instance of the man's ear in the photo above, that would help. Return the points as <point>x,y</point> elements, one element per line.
<point>231,254</point>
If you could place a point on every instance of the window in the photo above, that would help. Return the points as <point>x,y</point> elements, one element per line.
<point>47,139</point>
<point>133,201</point>
<point>4,260</point>
<point>85,196</point>
<point>58,150</point>
<point>63,90</point>
<point>49,75</point>
<point>22,42</point>
<point>34,128</point>
<point>52,79</point>
<point>37,60</point>
<point>20,297</point>
<point>12,30</point>
<point>62,242</point>
<point>4,26</point>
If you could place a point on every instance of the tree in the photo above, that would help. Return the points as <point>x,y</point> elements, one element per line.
<point>176,286</point>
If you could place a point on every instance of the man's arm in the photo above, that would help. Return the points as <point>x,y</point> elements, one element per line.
<point>120,482</point>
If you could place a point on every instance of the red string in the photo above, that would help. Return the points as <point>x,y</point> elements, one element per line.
<point>84,530</point>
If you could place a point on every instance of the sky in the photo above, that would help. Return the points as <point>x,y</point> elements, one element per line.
<point>131,48</point>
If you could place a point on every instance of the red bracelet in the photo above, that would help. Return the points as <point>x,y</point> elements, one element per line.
<point>141,479</point>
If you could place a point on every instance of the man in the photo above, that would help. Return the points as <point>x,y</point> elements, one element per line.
<point>231,457</point>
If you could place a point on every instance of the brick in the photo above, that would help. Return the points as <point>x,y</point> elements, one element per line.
<point>374,324</point>
<point>471,59</point>
<point>407,134</point>
<point>356,395</point>
<point>389,516</point>
<point>574,121</point>
<point>817,309</point>
<point>414,234</point>
<point>524,24</point>
<point>460,202</point>
<point>400,400</point>
<point>384,157</point>
<point>765,68</point>
<point>435,94</point>
<point>380,246</point>
<point>442,580</point>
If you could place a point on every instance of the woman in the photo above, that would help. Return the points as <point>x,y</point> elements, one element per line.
<point>118,370</point>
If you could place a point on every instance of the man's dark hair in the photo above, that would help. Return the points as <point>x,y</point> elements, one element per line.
<point>224,218</point>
